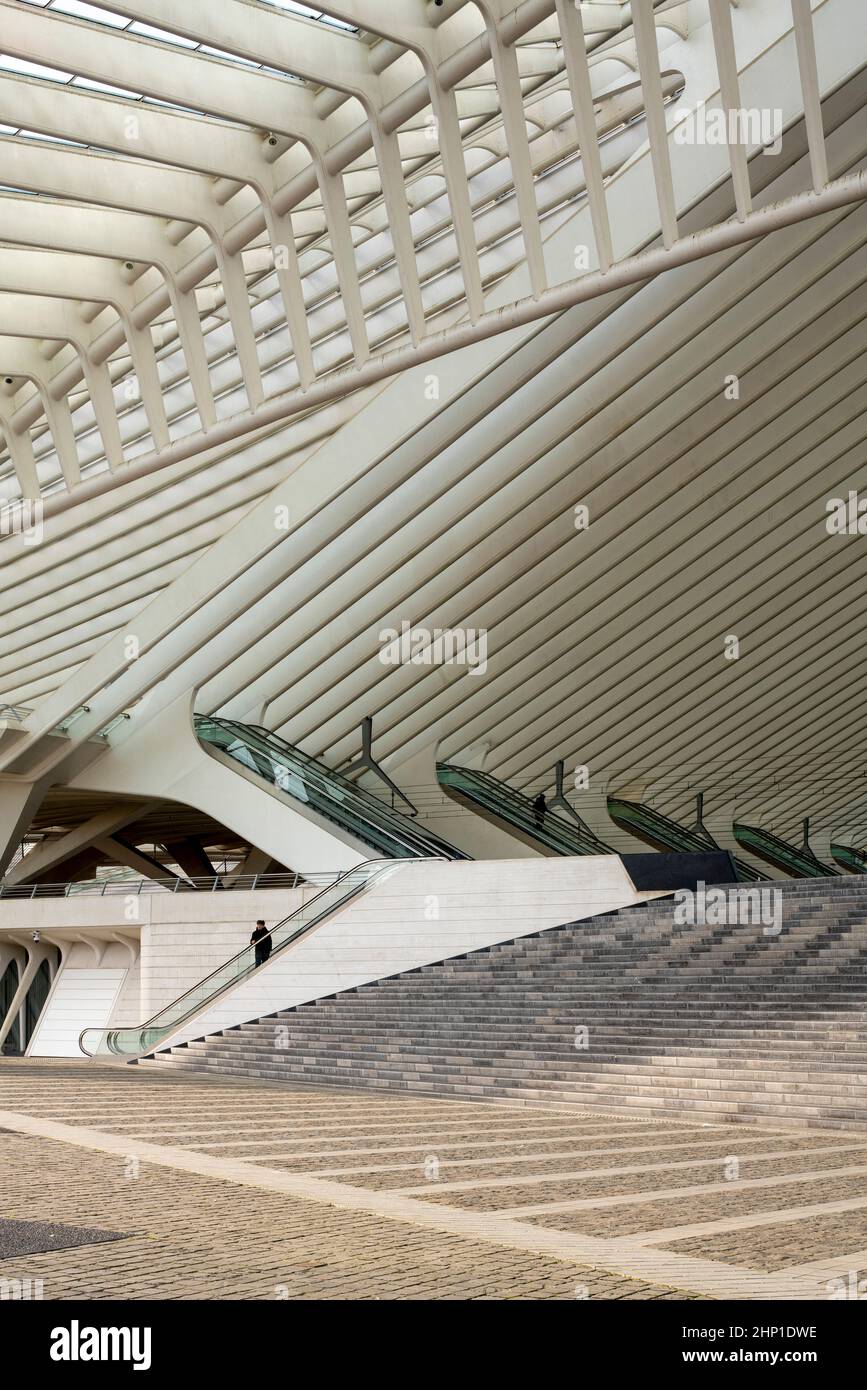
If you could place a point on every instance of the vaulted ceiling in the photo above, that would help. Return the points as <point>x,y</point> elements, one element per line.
<point>240,243</point>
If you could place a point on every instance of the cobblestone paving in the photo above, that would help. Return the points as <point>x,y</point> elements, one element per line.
<point>230,1232</point>
<point>718,1156</point>
<point>491,1198</point>
<point>200,1238</point>
<point>781,1246</point>
<point>636,1216</point>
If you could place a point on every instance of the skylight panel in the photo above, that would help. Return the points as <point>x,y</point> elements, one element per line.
<point>148,31</point>
<point>50,139</point>
<point>229,57</point>
<point>307,12</point>
<point>93,86</point>
<point>296,8</point>
<point>26,69</point>
<point>79,9</point>
<point>172,106</point>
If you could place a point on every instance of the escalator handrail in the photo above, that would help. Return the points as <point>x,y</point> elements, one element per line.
<point>647,818</point>
<point>649,813</point>
<point>847,855</point>
<point>376,865</point>
<point>501,792</point>
<point>786,853</point>
<point>419,841</point>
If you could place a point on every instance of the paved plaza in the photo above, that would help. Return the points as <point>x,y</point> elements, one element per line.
<point>245,1190</point>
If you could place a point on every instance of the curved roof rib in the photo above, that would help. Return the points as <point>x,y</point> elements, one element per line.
<point>306,201</point>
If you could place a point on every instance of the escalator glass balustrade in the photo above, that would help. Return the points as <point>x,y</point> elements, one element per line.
<point>663,833</point>
<point>512,808</point>
<point>136,1041</point>
<point>311,783</point>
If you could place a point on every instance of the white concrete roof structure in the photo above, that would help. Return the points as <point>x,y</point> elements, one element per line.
<point>315,321</point>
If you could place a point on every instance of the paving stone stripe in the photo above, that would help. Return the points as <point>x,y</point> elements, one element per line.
<point>565,1165</point>
<point>733,1224</point>
<point>459,1189</point>
<point>703,1191</point>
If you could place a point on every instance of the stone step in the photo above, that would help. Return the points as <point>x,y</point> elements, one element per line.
<point>712,1022</point>
<point>713,1106</point>
<point>659,1065</point>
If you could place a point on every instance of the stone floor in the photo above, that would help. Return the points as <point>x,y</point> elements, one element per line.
<point>240,1190</point>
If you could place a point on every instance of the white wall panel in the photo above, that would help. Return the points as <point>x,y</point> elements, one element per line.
<point>81,998</point>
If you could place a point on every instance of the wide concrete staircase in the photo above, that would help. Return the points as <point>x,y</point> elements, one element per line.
<point>702,1022</point>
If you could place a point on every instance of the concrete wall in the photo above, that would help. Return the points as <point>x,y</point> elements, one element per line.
<point>188,935</point>
<point>420,914</point>
<point>162,942</point>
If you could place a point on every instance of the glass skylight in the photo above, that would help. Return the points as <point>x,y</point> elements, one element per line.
<point>100,14</point>
<point>309,12</point>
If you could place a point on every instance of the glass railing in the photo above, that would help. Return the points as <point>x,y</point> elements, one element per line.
<point>134,1042</point>
<point>663,833</point>
<point>792,859</point>
<point>486,793</point>
<point>326,792</point>
<point>855,860</point>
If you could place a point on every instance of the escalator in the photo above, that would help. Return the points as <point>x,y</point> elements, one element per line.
<point>854,860</point>
<point>797,860</point>
<point>331,796</point>
<point>670,836</point>
<point>497,800</point>
<point>136,1041</point>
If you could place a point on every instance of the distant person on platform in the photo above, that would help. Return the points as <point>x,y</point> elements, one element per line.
<point>261,939</point>
<point>540,806</point>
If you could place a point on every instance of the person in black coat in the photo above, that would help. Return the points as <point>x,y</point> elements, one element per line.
<point>261,939</point>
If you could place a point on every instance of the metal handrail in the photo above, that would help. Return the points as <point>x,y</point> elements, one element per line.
<point>388,826</point>
<point>669,835</point>
<point>372,865</point>
<point>517,810</point>
<point>135,887</point>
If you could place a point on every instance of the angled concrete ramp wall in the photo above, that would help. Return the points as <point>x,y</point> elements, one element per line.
<point>420,914</point>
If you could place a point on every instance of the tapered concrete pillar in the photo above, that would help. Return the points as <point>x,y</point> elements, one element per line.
<point>35,955</point>
<point>19,802</point>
